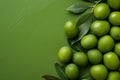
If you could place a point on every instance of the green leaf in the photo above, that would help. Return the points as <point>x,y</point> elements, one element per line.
<point>60,71</point>
<point>98,1</point>
<point>83,23</point>
<point>78,8</point>
<point>83,17</point>
<point>83,28</point>
<point>77,46</point>
<point>49,77</point>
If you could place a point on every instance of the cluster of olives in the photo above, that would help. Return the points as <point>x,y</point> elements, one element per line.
<point>102,44</point>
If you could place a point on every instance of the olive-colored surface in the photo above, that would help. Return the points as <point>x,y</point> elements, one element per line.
<point>31,33</point>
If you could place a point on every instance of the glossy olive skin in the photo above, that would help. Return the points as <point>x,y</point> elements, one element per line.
<point>115,32</point>
<point>89,41</point>
<point>80,58</point>
<point>113,75</point>
<point>100,27</point>
<point>72,71</point>
<point>101,11</point>
<point>114,18</point>
<point>99,72</point>
<point>106,43</point>
<point>111,60</point>
<point>94,56</point>
<point>70,29</point>
<point>117,49</point>
<point>65,54</point>
<point>114,4</point>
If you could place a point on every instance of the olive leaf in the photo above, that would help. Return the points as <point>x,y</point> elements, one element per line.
<point>60,71</point>
<point>83,17</point>
<point>50,77</point>
<point>77,46</point>
<point>78,8</point>
<point>98,1</point>
<point>83,23</point>
<point>83,28</point>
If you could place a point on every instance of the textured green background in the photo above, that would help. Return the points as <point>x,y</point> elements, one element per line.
<point>31,33</point>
